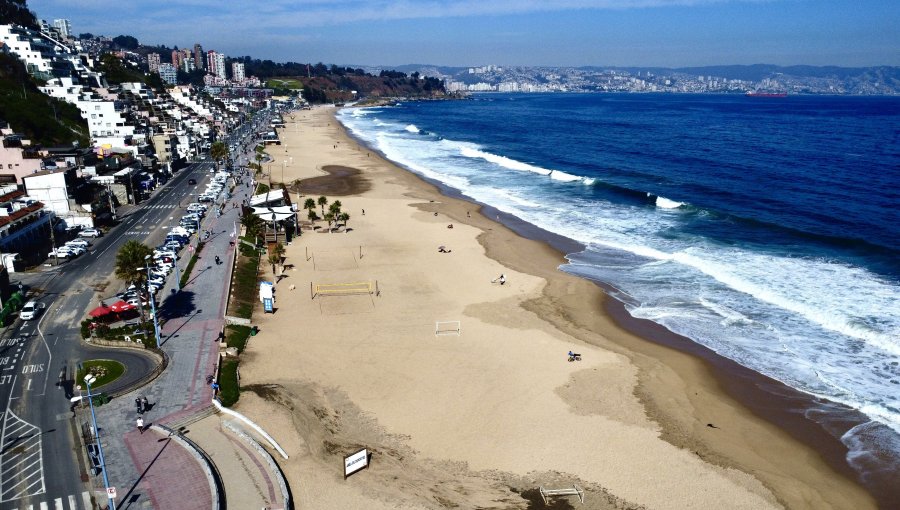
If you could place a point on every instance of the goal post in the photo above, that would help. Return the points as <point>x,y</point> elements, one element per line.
<point>342,289</point>
<point>447,328</point>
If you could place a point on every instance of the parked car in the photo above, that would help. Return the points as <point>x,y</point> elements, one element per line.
<point>62,252</point>
<point>81,243</point>
<point>91,232</point>
<point>29,311</point>
<point>75,250</point>
<point>133,301</point>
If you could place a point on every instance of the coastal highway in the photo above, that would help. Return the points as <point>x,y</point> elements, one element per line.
<point>41,452</point>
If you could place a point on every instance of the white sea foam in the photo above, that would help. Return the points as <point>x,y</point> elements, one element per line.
<point>502,161</point>
<point>412,128</point>
<point>558,175</point>
<point>665,203</point>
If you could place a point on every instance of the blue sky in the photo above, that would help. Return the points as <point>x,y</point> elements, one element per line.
<point>669,33</point>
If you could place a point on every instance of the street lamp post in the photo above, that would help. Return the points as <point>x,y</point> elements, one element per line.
<point>152,303</point>
<point>88,379</point>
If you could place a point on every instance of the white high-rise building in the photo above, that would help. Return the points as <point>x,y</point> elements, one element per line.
<point>237,71</point>
<point>220,66</point>
<point>64,27</point>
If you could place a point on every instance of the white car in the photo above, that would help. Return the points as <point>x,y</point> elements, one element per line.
<point>29,311</point>
<point>74,249</point>
<point>91,232</point>
<point>81,243</point>
<point>62,252</point>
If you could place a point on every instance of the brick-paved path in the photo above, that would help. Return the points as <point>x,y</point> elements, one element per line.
<point>169,474</point>
<point>189,337</point>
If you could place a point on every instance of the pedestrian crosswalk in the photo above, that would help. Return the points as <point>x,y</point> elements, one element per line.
<point>138,233</point>
<point>71,502</point>
<point>161,206</point>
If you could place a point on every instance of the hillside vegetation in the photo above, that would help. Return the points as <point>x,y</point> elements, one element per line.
<point>42,119</point>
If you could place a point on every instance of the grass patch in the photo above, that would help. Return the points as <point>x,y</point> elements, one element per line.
<point>246,278</point>
<point>236,336</point>
<point>190,267</point>
<point>105,370</point>
<point>229,390</point>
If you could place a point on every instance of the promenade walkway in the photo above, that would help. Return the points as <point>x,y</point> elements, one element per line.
<point>150,471</point>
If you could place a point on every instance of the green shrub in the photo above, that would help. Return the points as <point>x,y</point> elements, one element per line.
<point>229,390</point>
<point>236,336</point>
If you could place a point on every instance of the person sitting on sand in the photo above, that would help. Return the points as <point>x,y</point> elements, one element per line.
<point>501,279</point>
<point>450,226</point>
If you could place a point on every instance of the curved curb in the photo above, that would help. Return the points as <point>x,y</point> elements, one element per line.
<point>252,425</point>
<point>216,489</point>
<point>162,363</point>
<point>282,483</point>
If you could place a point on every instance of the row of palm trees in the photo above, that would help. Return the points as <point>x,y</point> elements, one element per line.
<point>334,214</point>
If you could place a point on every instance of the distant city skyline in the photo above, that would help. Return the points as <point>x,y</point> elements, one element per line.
<point>663,33</point>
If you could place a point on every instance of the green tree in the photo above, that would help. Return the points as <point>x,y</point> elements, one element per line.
<point>130,262</point>
<point>344,217</point>
<point>322,201</point>
<point>276,256</point>
<point>335,208</point>
<point>130,267</point>
<point>253,224</point>
<point>310,204</point>
<point>329,217</point>
<point>312,216</point>
<point>218,151</point>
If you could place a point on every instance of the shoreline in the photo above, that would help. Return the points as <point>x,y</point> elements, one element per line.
<point>681,392</point>
<point>746,386</point>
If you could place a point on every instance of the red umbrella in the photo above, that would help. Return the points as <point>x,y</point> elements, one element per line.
<point>121,306</point>
<point>100,311</point>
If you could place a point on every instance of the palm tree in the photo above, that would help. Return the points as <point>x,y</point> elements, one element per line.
<point>130,262</point>
<point>252,223</point>
<point>218,151</point>
<point>276,256</point>
<point>322,201</point>
<point>274,259</point>
<point>335,208</point>
<point>309,204</point>
<point>329,217</point>
<point>344,217</point>
<point>259,158</point>
<point>312,216</point>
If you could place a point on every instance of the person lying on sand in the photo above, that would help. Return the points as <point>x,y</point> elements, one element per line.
<point>443,249</point>
<point>501,279</point>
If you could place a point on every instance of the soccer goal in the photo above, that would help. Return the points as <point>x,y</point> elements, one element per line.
<point>446,328</point>
<point>342,289</point>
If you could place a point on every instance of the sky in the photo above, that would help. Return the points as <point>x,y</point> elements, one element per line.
<point>664,33</point>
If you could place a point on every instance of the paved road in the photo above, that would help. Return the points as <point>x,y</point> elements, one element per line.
<point>39,443</point>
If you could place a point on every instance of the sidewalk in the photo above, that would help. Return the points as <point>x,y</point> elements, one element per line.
<point>247,480</point>
<point>145,469</point>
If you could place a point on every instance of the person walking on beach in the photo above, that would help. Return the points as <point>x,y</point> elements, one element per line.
<point>140,425</point>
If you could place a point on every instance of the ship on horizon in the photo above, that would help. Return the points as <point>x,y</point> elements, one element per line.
<point>764,93</point>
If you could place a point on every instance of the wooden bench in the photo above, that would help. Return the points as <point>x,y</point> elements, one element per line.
<point>546,494</point>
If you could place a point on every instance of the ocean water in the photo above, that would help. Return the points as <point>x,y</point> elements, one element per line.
<point>766,229</point>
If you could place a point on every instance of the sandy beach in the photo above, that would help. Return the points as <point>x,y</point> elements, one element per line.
<point>483,418</point>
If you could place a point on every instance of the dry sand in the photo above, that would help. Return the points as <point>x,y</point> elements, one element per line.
<point>483,418</point>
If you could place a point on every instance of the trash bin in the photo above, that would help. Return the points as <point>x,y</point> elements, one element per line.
<point>253,331</point>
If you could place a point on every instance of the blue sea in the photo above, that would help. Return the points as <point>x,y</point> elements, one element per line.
<point>766,229</point>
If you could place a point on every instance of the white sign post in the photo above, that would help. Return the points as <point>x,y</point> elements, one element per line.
<point>356,461</point>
